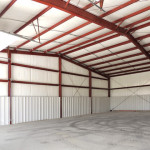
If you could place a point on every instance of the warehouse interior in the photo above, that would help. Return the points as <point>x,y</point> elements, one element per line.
<point>74,74</point>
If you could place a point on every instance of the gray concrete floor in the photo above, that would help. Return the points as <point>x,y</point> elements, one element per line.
<point>106,131</point>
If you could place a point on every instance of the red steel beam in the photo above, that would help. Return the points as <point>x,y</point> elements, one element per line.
<point>103,15</point>
<point>129,70</point>
<point>60,85</point>
<point>116,53</point>
<point>33,19</point>
<point>70,31</point>
<point>52,27</point>
<point>7,7</point>
<point>106,48</point>
<point>9,83</point>
<point>105,39</point>
<point>100,28</point>
<point>131,73</point>
<point>90,89</point>
<point>123,63</point>
<point>116,59</point>
<point>129,66</point>
<point>109,90</point>
<point>76,11</point>
<point>2,80</point>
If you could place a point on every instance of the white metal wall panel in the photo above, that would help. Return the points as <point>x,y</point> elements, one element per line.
<point>69,91</point>
<point>75,80</point>
<point>67,66</point>
<point>3,71</point>
<point>26,109</point>
<point>137,102</point>
<point>99,93</point>
<point>100,104</point>
<point>33,90</point>
<point>4,110</point>
<point>3,89</point>
<point>76,106</point>
<point>99,83</point>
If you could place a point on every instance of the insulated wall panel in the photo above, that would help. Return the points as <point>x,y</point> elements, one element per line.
<point>137,103</point>
<point>26,109</point>
<point>69,91</point>
<point>100,104</point>
<point>76,106</point>
<point>99,93</point>
<point>4,110</point>
<point>99,83</point>
<point>3,89</point>
<point>3,71</point>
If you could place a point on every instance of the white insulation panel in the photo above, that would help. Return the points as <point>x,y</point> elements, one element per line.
<point>4,110</point>
<point>76,106</point>
<point>100,104</point>
<point>137,103</point>
<point>26,109</point>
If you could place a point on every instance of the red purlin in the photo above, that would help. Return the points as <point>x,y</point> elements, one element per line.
<point>7,7</point>
<point>52,27</point>
<point>106,48</point>
<point>33,19</point>
<point>95,30</point>
<point>124,18</point>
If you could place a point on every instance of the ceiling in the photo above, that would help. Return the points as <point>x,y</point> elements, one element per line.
<point>88,43</point>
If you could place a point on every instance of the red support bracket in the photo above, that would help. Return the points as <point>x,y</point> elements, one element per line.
<point>67,3</point>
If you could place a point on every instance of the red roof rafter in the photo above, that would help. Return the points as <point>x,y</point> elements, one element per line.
<point>33,19</point>
<point>126,17</point>
<point>7,7</point>
<point>52,27</point>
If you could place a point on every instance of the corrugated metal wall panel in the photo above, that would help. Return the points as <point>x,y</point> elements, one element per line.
<point>4,110</point>
<point>76,106</point>
<point>137,102</point>
<point>100,104</point>
<point>26,109</point>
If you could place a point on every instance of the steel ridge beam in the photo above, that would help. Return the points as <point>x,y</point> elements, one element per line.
<point>123,63</point>
<point>129,70</point>
<point>103,15</point>
<point>76,11</point>
<point>7,7</point>
<point>100,28</point>
<point>52,27</point>
<point>110,47</point>
<point>33,19</point>
<point>130,73</point>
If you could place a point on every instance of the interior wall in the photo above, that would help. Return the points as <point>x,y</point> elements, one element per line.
<point>131,98</point>
<point>29,100</point>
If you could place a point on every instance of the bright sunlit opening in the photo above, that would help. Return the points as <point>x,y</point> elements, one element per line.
<point>6,39</point>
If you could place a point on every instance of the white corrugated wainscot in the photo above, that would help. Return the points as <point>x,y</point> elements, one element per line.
<point>76,106</point>
<point>100,104</point>
<point>26,109</point>
<point>4,110</point>
<point>133,99</point>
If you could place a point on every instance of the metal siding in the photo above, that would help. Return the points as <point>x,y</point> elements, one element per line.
<point>4,110</point>
<point>137,103</point>
<point>100,104</point>
<point>26,109</point>
<point>76,106</point>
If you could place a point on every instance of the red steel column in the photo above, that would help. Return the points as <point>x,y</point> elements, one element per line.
<point>90,88</point>
<point>60,85</point>
<point>9,82</point>
<point>109,91</point>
